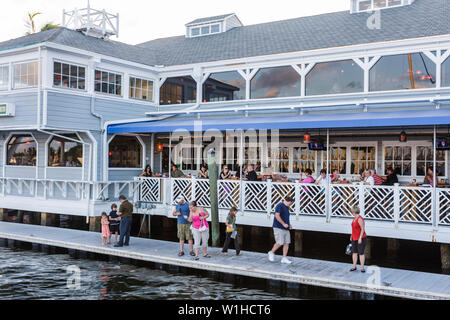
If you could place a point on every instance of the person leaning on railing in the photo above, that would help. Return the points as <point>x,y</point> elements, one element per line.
<point>147,172</point>
<point>176,173</point>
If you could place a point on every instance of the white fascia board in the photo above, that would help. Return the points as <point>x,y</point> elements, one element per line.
<point>383,48</point>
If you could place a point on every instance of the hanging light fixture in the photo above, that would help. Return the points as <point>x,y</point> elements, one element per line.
<point>307,137</point>
<point>403,137</point>
<point>159,147</point>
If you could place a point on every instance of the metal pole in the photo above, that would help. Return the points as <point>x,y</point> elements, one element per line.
<point>434,178</point>
<point>170,168</point>
<point>241,163</point>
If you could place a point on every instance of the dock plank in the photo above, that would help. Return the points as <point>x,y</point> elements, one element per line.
<point>393,282</point>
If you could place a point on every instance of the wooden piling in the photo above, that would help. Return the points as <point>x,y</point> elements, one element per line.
<point>240,232</point>
<point>298,243</point>
<point>445,256</point>
<point>3,214</point>
<point>393,247</point>
<point>94,224</point>
<point>47,219</point>
<point>368,251</point>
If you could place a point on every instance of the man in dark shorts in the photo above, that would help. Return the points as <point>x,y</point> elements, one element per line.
<point>114,222</point>
<point>125,213</point>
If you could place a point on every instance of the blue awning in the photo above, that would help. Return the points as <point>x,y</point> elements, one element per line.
<point>328,121</point>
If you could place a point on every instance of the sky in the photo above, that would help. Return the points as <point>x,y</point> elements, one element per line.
<point>144,20</point>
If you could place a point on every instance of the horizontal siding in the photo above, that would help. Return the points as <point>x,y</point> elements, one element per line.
<point>121,110</point>
<point>69,174</point>
<point>26,109</point>
<point>20,172</point>
<point>123,175</point>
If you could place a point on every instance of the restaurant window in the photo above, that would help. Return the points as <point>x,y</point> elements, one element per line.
<point>446,73</point>
<point>4,77</point>
<point>424,160</point>
<point>403,71</point>
<point>69,76</point>
<point>230,157</point>
<point>108,82</point>
<point>362,158</point>
<point>398,159</point>
<point>275,82</point>
<point>64,152</point>
<point>335,77</point>
<point>21,151</point>
<point>25,75</point>
<point>224,86</point>
<point>125,152</point>
<point>279,160</point>
<point>252,156</point>
<point>178,90</point>
<point>337,159</point>
<point>304,159</point>
<point>141,89</point>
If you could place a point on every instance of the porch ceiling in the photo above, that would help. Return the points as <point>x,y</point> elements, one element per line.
<point>343,120</point>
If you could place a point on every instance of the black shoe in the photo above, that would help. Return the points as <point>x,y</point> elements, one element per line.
<point>117,246</point>
<point>126,245</point>
<point>196,258</point>
<point>353,269</point>
<point>363,271</point>
<point>181,253</point>
<point>192,253</point>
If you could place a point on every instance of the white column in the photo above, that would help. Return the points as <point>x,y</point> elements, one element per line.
<point>435,182</point>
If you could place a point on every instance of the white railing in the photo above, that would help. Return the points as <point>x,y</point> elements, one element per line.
<point>397,204</point>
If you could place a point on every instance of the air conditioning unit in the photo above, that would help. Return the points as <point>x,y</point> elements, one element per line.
<point>7,109</point>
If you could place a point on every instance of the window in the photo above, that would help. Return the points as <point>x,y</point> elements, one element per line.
<point>403,71</point>
<point>69,76</point>
<point>141,89</point>
<point>335,77</point>
<point>362,158</point>
<point>337,159</point>
<point>424,160</point>
<point>4,77</point>
<point>205,30</point>
<point>215,28</point>
<point>21,151</point>
<point>125,152</point>
<point>195,32</point>
<point>446,73</point>
<point>25,75</point>
<point>304,159</point>
<point>178,90</point>
<point>399,159</point>
<point>108,82</point>
<point>275,82</point>
<point>365,5</point>
<point>65,153</point>
<point>224,86</point>
<point>279,160</point>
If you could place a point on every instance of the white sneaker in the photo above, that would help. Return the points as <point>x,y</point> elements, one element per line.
<point>286,260</point>
<point>271,256</point>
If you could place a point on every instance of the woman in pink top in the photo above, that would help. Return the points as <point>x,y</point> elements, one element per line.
<point>309,178</point>
<point>200,228</point>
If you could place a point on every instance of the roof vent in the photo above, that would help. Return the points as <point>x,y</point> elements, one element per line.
<point>95,23</point>
<point>212,25</point>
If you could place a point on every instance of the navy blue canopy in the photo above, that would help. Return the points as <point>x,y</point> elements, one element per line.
<point>329,121</point>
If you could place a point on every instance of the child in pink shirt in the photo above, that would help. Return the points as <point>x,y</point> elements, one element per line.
<point>106,234</point>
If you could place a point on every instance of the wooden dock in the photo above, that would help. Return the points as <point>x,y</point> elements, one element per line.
<point>382,281</point>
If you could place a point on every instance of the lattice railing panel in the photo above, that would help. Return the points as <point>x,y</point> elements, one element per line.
<point>379,203</point>
<point>229,193</point>
<point>183,188</point>
<point>150,190</point>
<point>202,193</point>
<point>312,200</point>
<point>279,192</point>
<point>343,199</point>
<point>416,204</point>
<point>444,206</point>
<point>255,196</point>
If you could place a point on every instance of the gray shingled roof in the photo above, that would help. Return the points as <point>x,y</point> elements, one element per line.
<point>424,18</point>
<point>210,19</point>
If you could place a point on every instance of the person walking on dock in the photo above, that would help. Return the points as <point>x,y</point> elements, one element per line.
<point>114,222</point>
<point>200,228</point>
<point>358,239</point>
<point>281,230</point>
<point>125,213</point>
<point>184,233</point>
<point>106,234</point>
<point>231,232</point>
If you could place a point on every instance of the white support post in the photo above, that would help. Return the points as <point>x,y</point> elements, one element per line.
<point>193,188</point>
<point>435,182</point>
<point>269,197</point>
<point>396,204</point>
<point>170,169</point>
<point>328,191</point>
<point>241,164</point>
<point>297,199</point>
<point>362,192</point>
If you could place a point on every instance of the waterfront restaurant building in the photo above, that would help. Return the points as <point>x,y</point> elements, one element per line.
<point>81,115</point>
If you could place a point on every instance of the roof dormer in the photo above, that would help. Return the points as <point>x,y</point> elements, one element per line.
<point>212,25</point>
<point>369,5</point>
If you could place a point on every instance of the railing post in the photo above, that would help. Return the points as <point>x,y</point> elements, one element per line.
<point>328,206</point>
<point>362,194</point>
<point>396,204</point>
<point>193,188</point>
<point>269,197</point>
<point>242,195</point>
<point>297,198</point>
<point>435,208</point>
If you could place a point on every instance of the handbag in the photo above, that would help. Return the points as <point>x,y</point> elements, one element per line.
<point>233,235</point>
<point>202,227</point>
<point>348,250</point>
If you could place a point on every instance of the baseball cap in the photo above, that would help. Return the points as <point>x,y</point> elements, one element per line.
<point>179,199</point>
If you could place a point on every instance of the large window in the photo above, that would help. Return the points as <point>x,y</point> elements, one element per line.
<point>399,159</point>
<point>108,82</point>
<point>141,89</point>
<point>65,153</point>
<point>304,159</point>
<point>446,73</point>
<point>25,75</point>
<point>424,160</point>
<point>178,90</point>
<point>364,5</point>
<point>279,160</point>
<point>69,76</point>
<point>335,77</point>
<point>362,158</point>
<point>21,151</point>
<point>403,71</point>
<point>337,159</point>
<point>224,86</point>
<point>275,82</point>
<point>4,77</point>
<point>125,152</point>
